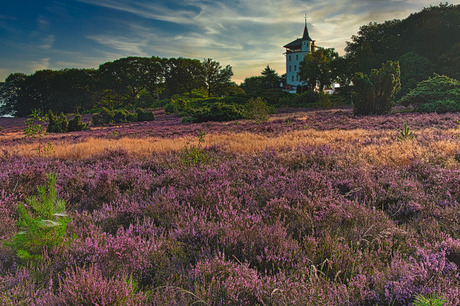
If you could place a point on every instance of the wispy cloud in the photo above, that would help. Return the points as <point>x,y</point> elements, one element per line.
<point>40,65</point>
<point>47,42</point>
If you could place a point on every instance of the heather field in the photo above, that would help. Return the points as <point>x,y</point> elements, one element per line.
<point>312,207</point>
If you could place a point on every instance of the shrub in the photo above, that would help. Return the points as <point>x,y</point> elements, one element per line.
<point>169,108</point>
<point>435,94</point>
<point>374,94</point>
<point>161,103</point>
<point>324,100</point>
<point>144,115</point>
<point>445,106</point>
<point>176,105</point>
<point>44,226</point>
<point>76,124</point>
<point>145,100</point>
<point>113,116</point>
<point>1,128</point>
<point>257,109</point>
<point>56,125</point>
<point>216,112</point>
<point>307,99</point>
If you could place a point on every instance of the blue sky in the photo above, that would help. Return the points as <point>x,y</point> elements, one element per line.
<point>248,35</point>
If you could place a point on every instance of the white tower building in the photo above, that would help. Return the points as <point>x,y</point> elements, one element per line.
<point>295,52</point>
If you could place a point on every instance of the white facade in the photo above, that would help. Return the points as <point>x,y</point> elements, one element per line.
<point>295,52</point>
<point>293,60</point>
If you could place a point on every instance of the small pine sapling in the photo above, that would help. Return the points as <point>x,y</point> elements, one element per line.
<point>37,131</point>
<point>405,134</point>
<point>42,223</point>
<point>194,154</point>
<point>432,300</point>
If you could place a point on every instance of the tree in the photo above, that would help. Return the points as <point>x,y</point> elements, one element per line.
<point>214,76</point>
<point>270,78</point>
<point>37,92</point>
<point>431,33</point>
<point>450,62</point>
<point>126,76</point>
<point>343,69</point>
<point>414,69</point>
<point>316,68</point>
<point>154,81</point>
<point>182,75</point>
<point>9,92</point>
<point>252,84</point>
<point>375,94</point>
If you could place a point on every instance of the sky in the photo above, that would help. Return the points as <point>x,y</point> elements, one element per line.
<point>248,35</point>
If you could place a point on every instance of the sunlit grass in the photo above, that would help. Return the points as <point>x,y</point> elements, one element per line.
<point>358,146</point>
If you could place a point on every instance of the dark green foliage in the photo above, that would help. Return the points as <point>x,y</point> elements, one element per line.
<point>56,125</point>
<point>62,123</point>
<point>438,94</point>
<point>144,115</point>
<point>272,96</point>
<point>216,112</point>
<point>325,100</point>
<point>76,124</point>
<point>214,77</point>
<point>307,99</point>
<point>42,224</point>
<point>52,122</point>
<point>432,33</point>
<point>414,69</point>
<point>145,101</point>
<point>113,116</point>
<point>375,94</point>
<point>444,106</point>
<point>317,68</point>
<point>257,109</point>
<point>122,115</point>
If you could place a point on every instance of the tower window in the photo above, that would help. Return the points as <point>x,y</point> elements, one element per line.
<point>296,57</point>
<point>289,68</point>
<point>297,77</point>
<point>295,67</point>
<point>292,78</point>
<point>289,58</point>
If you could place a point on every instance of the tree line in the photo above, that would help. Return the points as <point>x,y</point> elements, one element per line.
<point>117,83</point>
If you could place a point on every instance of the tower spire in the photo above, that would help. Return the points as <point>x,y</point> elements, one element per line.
<point>306,35</point>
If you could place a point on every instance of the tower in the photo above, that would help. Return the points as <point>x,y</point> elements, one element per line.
<point>295,52</point>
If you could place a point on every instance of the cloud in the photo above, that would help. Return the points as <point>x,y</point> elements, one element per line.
<point>47,42</point>
<point>128,45</point>
<point>40,65</point>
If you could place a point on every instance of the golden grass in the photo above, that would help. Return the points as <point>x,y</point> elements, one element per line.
<point>347,143</point>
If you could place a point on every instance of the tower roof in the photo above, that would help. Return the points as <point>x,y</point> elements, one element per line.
<point>298,41</point>
<point>306,36</point>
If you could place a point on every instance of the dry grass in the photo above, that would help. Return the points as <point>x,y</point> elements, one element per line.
<point>388,151</point>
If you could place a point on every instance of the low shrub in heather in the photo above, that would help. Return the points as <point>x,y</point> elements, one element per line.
<point>439,93</point>
<point>56,125</point>
<point>216,112</point>
<point>113,116</point>
<point>144,115</point>
<point>76,124</point>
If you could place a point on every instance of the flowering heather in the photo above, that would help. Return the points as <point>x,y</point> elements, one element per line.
<point>309,208</point>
